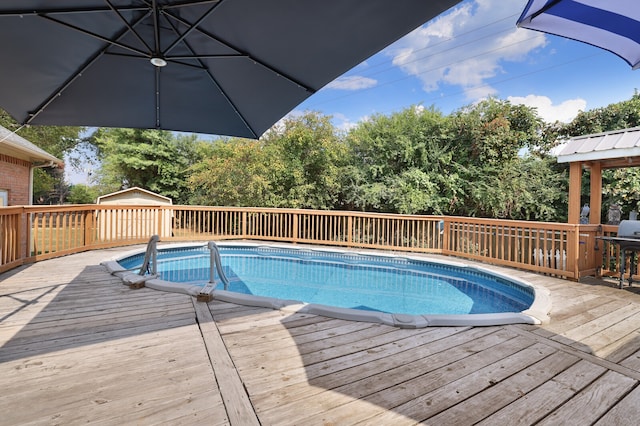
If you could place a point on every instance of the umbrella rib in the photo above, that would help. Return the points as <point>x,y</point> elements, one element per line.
<point>215,82</point>
<point>73,77</point>
<point>177,59</point>
<point>156,27</point>
<point>194,56</point>
<point>97,36</point>
<point>64,11</point>
<point>127,24</point>
<point>189,3</point>
<point>192,27</point>
<point>244,54</point>
<point>544,8</point>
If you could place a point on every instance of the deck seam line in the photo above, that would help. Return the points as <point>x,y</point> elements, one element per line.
<point>581,354</point>
<point>240,409</point>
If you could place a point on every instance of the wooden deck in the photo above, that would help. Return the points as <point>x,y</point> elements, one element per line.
<point>77,346</point>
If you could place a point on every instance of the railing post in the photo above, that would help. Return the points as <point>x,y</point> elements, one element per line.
<point>160,215</point>
<point>88,227</point>
<point>24,221</point>
<point>573,248</point>
<point>350,231</point>
<point>244,224</point>
<point>294,231</point>
<point>445,236</point>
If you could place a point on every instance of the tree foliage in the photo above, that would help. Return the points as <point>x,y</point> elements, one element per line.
<point>305,157</point>
<point>401,163</point>
<point>155,160</point>
<point>296,165</point>
<point>82,194</point>
<point>49,185</point>
<point>489,159</point>
<point>621,187</point>
<point>617,116</point>
<point>231,173</point>
<point>504,170</point>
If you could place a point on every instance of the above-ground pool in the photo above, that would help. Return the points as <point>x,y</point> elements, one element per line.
<point>397,290</point>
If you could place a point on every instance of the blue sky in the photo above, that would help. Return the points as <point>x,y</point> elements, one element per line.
<point>472,51</point>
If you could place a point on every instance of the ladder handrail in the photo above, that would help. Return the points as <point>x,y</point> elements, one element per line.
<point>216,264</point>
<point>150,257</point>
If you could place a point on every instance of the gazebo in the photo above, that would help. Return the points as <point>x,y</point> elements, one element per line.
<point>597,152</point>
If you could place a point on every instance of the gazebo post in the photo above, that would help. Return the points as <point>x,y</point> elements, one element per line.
<point>595,199</point>
<point>575,189</point>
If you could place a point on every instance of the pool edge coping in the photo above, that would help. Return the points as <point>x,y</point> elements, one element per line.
<point>538,312</point>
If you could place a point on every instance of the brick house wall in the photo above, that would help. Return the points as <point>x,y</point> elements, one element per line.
<point>14,178</point>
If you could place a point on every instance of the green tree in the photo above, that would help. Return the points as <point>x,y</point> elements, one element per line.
<point>502,176</point>
<point>401,163</point>
<point>617,116</point>
<point>232,173</point>
<point>296,164</point>
<point>49,185</point>
<point>622,187</point>
<point>305,156</point>
<point>496,131</point>
<point>82,194</point>
<point>155,160</point>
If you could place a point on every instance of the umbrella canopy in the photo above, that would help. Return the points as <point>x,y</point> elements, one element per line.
<point>228,67</point>
<point>613,25</point>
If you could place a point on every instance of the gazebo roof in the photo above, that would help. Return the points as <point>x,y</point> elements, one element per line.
<point>618,148</point>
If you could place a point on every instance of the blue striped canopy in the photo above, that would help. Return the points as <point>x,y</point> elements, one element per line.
<point>613,25</point>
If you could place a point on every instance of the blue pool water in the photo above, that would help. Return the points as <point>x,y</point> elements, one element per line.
<point>348,280</point>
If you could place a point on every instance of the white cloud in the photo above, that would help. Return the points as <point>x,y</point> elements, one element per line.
<point>466,46</point>
<point>352,82</point>
<point>563,112</point>
<point>342,122</point>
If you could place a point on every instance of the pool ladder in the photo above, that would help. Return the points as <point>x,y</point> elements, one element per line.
<point>215,264</point>
<point>150,264</point>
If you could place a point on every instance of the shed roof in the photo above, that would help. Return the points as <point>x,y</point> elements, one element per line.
<point>135,191</point>
<point>613,149</point>
<point>18,147</point>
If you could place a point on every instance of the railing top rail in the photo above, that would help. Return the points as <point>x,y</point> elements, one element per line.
<point>609,228</point>
<point>304,211</point>
<point>10,210</point>
<point>58,208</point>
<point>310,212</point>
<point>87,207</point>
<point>515,223</point>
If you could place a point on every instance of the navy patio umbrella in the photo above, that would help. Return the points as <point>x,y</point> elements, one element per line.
<point>227,67</point>
<point>613,25</point>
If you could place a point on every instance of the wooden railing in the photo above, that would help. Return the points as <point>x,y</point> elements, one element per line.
<point>347,229</point>
<point>35,233</point>
<point>550,248</point>
<point>12,238</point>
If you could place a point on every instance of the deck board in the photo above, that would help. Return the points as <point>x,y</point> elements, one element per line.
<point>546,398</point>
<point>77,346</point>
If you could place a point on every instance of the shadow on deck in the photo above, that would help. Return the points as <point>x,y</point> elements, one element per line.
<point>77,346</point>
